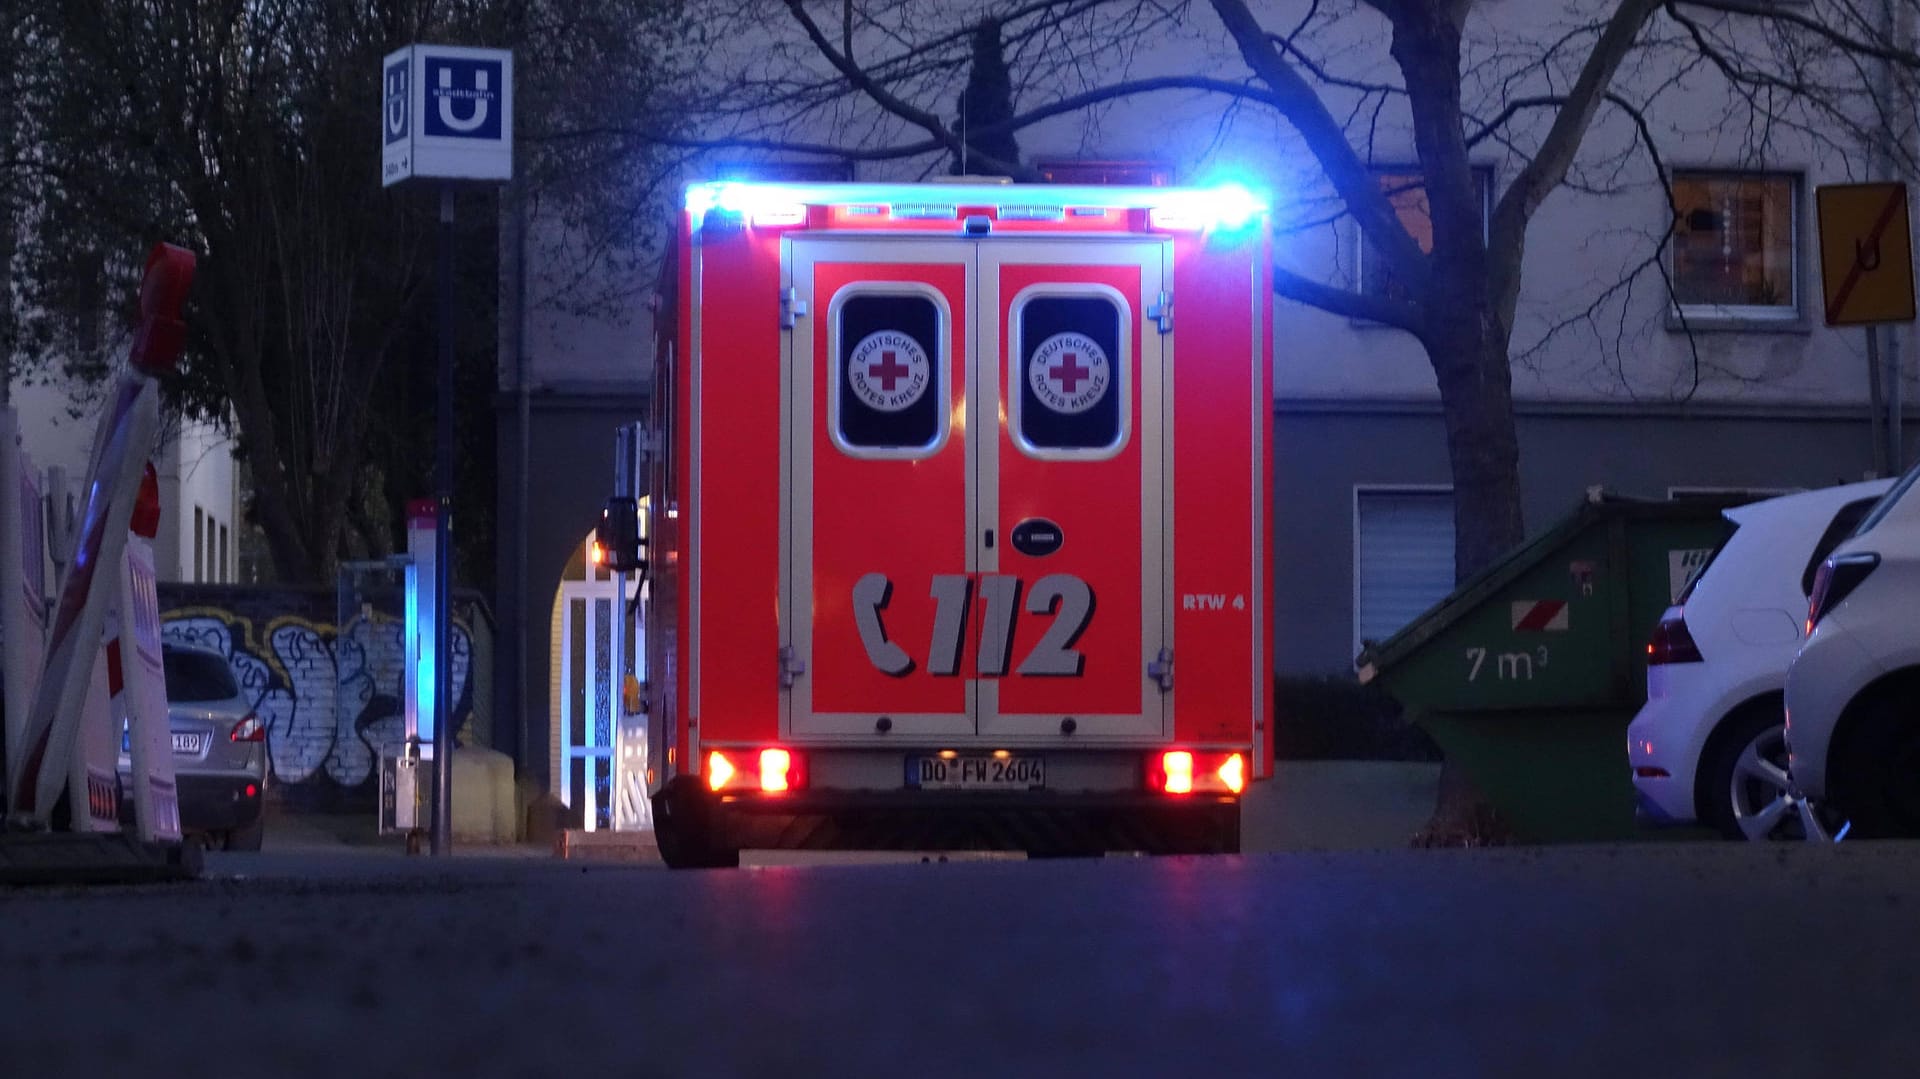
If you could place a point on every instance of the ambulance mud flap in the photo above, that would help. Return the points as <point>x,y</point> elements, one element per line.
<point>1066,824</point>
<point>684,828</point>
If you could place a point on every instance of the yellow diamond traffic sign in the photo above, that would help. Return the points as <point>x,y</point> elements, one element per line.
<point>1866,253</point>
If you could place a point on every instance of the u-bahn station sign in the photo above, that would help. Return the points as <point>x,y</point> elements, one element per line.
<point>446,114</point>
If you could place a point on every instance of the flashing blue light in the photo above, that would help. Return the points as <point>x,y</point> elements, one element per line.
<point>762,204</point>
<point>420,636</point>
<point>1228,206</point>
<point>1236,206</point>
<point>1225,207</point>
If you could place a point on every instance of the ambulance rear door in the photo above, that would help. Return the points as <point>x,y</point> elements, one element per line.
<point>879,513</point>
<point>974,525</point>
<point>1071,544</point>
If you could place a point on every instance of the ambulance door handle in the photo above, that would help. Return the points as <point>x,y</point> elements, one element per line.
<point>1160,669</point>
<point>791,666</point>
<point>989,539</point>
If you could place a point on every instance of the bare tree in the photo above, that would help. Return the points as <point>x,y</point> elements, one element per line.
<point>1463,77</point>
<point>245,130</point>
<point>1456,79</point>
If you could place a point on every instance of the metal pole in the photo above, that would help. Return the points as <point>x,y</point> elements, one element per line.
<point>442,840</point>
<point>1877,400</point>
<point>1896,442</point>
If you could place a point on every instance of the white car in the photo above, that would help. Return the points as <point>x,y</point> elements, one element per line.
<point>1853,693</point>
<point>1707,746</point>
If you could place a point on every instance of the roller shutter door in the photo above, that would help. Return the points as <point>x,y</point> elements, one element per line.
<point>1403,558</point>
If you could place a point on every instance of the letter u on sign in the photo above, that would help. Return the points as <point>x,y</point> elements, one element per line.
<point>463,97</point>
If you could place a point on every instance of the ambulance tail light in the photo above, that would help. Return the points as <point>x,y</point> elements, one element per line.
<point>769,769</point>
<point>1176,772</point>
<point>720,770</point>
<point>1233,773</point>
<point>1182,771</point>
<point>776,767</point>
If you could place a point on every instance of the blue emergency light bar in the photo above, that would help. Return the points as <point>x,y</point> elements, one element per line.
<point>1226,207</point>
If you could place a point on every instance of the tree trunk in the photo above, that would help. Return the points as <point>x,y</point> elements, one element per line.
<point>1476,396</point>
<point>1467,343</point>
<point>987,100</point>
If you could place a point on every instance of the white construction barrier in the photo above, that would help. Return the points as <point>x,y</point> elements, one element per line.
<point>23,600</point>
<point>69,740</point>
<point>137,679</point>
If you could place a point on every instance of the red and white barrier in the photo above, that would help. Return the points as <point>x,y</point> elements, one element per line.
<point>137,680</point>
<point>62,718</point>
<point>23,600</point>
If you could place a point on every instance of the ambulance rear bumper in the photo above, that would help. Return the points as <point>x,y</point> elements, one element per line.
<point>1048,823</point>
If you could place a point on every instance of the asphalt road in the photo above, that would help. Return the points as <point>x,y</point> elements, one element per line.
<point>1644,960</point>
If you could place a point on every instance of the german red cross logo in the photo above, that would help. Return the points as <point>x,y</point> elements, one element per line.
<point>888,371</point>
<point>1069,372</point>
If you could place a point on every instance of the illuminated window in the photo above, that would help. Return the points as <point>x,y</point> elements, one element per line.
<point>890,396</point>
<point>1406,192</point>
<point>1070,365</point>
<point>1735,245</point>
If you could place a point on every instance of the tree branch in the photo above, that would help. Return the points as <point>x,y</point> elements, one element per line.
<point>1340,301</point>
<point>886,99</point>
<point>1294,99</point>
<point>1549,167</point>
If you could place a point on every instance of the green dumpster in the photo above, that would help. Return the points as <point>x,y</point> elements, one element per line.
<point>1527,675</point>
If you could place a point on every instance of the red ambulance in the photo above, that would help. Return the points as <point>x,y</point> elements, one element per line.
<point>958,512</point>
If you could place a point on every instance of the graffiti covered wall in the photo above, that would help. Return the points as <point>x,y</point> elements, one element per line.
<point>329,694</point>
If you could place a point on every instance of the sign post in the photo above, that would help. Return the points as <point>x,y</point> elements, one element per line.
<point>1866,266</point>
<point>446,114</point>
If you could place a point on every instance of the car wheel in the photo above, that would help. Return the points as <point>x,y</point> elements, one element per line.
<point>1744,790</point>
<point>249,837</point>
<point>1874,778</point>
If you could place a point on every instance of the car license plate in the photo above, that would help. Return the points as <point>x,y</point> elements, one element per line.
<point>977,773</point>
<point>188,743</point>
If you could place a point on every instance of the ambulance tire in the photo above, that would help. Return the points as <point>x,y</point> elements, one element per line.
<point>682,832</point>
<point>686,846</point>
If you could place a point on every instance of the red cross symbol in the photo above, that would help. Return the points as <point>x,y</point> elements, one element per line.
<point>889,370</point>
<point>1070,373</point>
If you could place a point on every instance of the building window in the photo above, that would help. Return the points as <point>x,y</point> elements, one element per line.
<point>226,567</point>
<point>1402,557</point>
<point>199,541</point>
<point>1406,192</point>
<point>1105,173</point>
<point>1735,245</point>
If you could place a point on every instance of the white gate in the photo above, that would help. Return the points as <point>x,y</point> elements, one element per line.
<point>586,690</point>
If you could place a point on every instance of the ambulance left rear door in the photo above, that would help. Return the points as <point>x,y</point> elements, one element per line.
<point>880,505</point>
